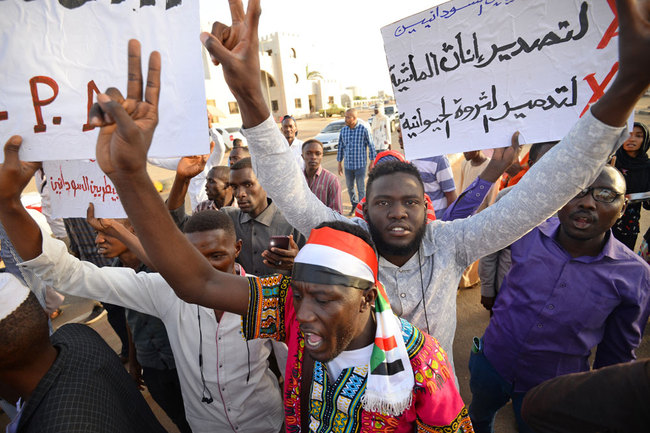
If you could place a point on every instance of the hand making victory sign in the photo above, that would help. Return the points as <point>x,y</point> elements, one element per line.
<point>127,125</point>
<point>236,48</point>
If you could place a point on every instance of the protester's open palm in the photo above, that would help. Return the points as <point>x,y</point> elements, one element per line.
<point>127,125</point>
<point>190,166</point>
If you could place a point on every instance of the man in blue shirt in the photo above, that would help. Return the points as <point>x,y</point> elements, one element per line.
<point>572,287</point>
<point>354,139</point>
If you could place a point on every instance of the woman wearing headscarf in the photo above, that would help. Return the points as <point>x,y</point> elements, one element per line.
<point>632,160</point>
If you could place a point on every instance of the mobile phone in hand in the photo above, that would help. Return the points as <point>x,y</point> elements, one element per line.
<point>279,242</point>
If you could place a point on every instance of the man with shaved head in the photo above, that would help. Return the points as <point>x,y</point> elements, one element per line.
<point>354,139</point>
<point>572,287</point>
<point>69,382</point>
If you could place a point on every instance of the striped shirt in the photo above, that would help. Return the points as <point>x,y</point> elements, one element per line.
<point>327,188</point>
<point>353,143</point>
<point>437,178</point>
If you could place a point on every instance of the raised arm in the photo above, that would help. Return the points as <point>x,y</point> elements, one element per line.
<point>576,161</point>
<point>127,127</point>
<point>14,176</point>
<point>188,167</point>
<point>473,196</point>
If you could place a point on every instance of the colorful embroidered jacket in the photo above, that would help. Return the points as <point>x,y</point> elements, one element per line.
<point>335,406</point>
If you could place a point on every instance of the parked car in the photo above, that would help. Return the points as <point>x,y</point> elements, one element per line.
<point>393,116</point>
<point>229,134</point>
<point>329,136</point>
<point>332,110</point>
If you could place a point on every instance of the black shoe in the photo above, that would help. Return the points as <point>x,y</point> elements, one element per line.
<point>97,313</point>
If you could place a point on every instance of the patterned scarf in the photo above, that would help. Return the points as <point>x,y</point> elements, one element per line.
<point>335,257</point>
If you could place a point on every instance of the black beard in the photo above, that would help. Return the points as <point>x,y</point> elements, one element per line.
<point>386,249</point>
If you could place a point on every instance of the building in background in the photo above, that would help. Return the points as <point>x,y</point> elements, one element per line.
<point>291,81</point>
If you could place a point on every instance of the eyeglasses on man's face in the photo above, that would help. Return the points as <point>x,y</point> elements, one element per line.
<point>601,194</point>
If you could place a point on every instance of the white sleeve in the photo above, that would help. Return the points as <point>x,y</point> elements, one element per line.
<point>144,292</point>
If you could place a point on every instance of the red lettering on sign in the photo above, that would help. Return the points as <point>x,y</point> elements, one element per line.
<point>4,115</point>
<point>92,88</point>
<point>598,89</point>
<point>38,103</point>
<point>612,30</point>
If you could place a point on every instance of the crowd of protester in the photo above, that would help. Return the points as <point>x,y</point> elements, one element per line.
<point>265,309</point>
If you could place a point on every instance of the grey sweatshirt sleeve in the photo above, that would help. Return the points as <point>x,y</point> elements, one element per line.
<point>569,167</point>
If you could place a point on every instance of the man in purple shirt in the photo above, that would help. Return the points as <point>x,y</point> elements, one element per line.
<point>572,286</point>
<point>322,183</point>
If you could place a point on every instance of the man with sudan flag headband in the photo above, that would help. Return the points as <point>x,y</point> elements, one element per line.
<point>353,363</point>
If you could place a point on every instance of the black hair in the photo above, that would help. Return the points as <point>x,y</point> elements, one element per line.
<point>23,333</point>
<point>241,164</point>
<point>237,143</point>
<point>310,141</point>
<point>392,167</point>
<point>221,172</point>
<point>207,220</point>
<point>353,229</point>
<point>536,148</point>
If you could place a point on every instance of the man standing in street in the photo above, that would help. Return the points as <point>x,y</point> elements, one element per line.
<point>290,131</point>
<point>354,139</point>
<point>322,183</point>
<point>380,129</point>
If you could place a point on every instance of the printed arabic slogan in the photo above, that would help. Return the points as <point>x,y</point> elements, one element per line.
<point>71,185</point>
<point>57,55</point>
<point>467,74</point>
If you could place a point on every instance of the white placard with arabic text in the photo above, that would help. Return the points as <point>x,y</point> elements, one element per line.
<point>57,54</point>
<point>467,74</point>
<point>72,185</point>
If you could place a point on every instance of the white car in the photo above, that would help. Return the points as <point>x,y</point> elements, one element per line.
<point>329,136</point>
<point>229,134</point>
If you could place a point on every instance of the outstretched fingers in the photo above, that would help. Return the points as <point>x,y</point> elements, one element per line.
<point>253,13</point>
<point>236,10</point>
<point>152,91</point>
<point>134,83</point>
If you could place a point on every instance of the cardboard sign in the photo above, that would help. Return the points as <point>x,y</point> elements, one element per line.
<point>72,185</point>
<point>57,55</point>
<point>467,74</point>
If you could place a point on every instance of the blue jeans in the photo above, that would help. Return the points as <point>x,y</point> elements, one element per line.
<point>358,175</point>
<point>490,392</point>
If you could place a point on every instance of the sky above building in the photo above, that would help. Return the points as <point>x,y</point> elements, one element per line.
<point>346,33</point>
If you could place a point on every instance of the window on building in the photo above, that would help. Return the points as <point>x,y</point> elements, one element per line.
<point>275,106</point>
<point>330,100</point>
<point>295,76</point>
<point>298,102</point>
<point>234,107</point>
<point>269,53</point>
<point>292,53</point>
